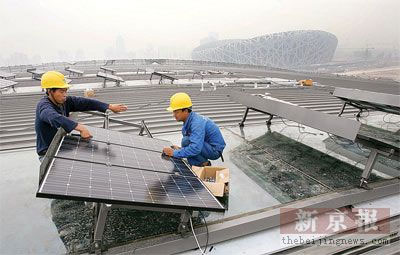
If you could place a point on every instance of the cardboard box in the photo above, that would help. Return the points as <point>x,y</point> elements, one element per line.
<point>220,187</point>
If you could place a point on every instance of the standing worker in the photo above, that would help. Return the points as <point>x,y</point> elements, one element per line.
<point>53,110</point>
<point>202,140</point>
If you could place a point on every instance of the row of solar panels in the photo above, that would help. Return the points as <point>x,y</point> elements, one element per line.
<point>106,72</point>
<point>83,65</point>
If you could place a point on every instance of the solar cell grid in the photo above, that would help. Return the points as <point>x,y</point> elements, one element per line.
<point>98,152</point>
<point>114,167</point>
<point>75,179</point>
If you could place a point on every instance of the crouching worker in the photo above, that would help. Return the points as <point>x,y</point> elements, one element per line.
<point>202,140</point>
<point>53,110</point>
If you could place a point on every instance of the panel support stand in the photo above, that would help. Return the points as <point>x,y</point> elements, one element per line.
<point>101,211</point>
<point>370,165</point>
<point>268,122</point>
<point>342,109</point>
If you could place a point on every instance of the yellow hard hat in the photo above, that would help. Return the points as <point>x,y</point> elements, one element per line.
<point>54,79</point>
<point>179,101</point>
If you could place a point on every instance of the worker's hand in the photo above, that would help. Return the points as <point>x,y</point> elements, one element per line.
<point>175,147</point>
<point>84,132</point>
<point>168,151</point>
<point>117,107</point>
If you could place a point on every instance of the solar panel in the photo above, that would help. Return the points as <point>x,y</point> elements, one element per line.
<point>342,127</point>
<point>74,71</point>
<point>109,76</point>
<point>369,100</point>
<point>6,75</point>
<point>6,83</point>
<point>69,179</point>
<point>73,147</point>
<point>35,71</point>
<point>113,168</point>
<point>112,71</point>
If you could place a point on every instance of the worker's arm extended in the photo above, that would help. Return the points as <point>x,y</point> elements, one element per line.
<point>82,104</point>
<point>196,141</point>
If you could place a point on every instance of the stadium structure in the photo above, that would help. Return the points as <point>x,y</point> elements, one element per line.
<point>285,50</point>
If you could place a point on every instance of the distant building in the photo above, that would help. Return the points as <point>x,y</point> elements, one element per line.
<point>286,49</point>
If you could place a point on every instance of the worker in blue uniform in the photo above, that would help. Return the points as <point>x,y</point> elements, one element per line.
<point>53,110</point>
<point>202,139</point>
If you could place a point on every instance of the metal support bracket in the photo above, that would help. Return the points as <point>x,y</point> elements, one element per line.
<point>101,211</point>
<point>370,165</point>
<point>106,123</point>
<point>342,109</point>
<point>100,217</point>
<point>183,225</point>
<point>268,122</point>
<point>358,115</point>
<point>144,128</point>
<point>241,124</point>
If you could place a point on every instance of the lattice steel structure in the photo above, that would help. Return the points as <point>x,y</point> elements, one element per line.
<point>286,49</point>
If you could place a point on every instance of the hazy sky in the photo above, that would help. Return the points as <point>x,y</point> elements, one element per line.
<point>49,26</point>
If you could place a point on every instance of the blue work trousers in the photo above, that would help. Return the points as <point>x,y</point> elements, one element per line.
<point>207,152</point>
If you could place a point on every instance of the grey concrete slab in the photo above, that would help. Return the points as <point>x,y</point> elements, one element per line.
<point>26,225</point>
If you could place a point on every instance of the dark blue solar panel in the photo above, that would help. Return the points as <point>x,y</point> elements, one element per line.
<point>115,167</point>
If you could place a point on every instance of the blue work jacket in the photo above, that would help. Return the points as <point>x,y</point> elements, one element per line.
<point>49,117</point>
<point>200,129</point>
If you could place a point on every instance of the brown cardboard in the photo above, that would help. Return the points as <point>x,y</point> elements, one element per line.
<point>221,175</point>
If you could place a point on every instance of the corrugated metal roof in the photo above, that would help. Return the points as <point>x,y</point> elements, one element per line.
<point>17,111</point>
<point>144,103</point>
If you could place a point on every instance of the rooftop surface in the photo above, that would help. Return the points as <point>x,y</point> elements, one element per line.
<point>263,161</point>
